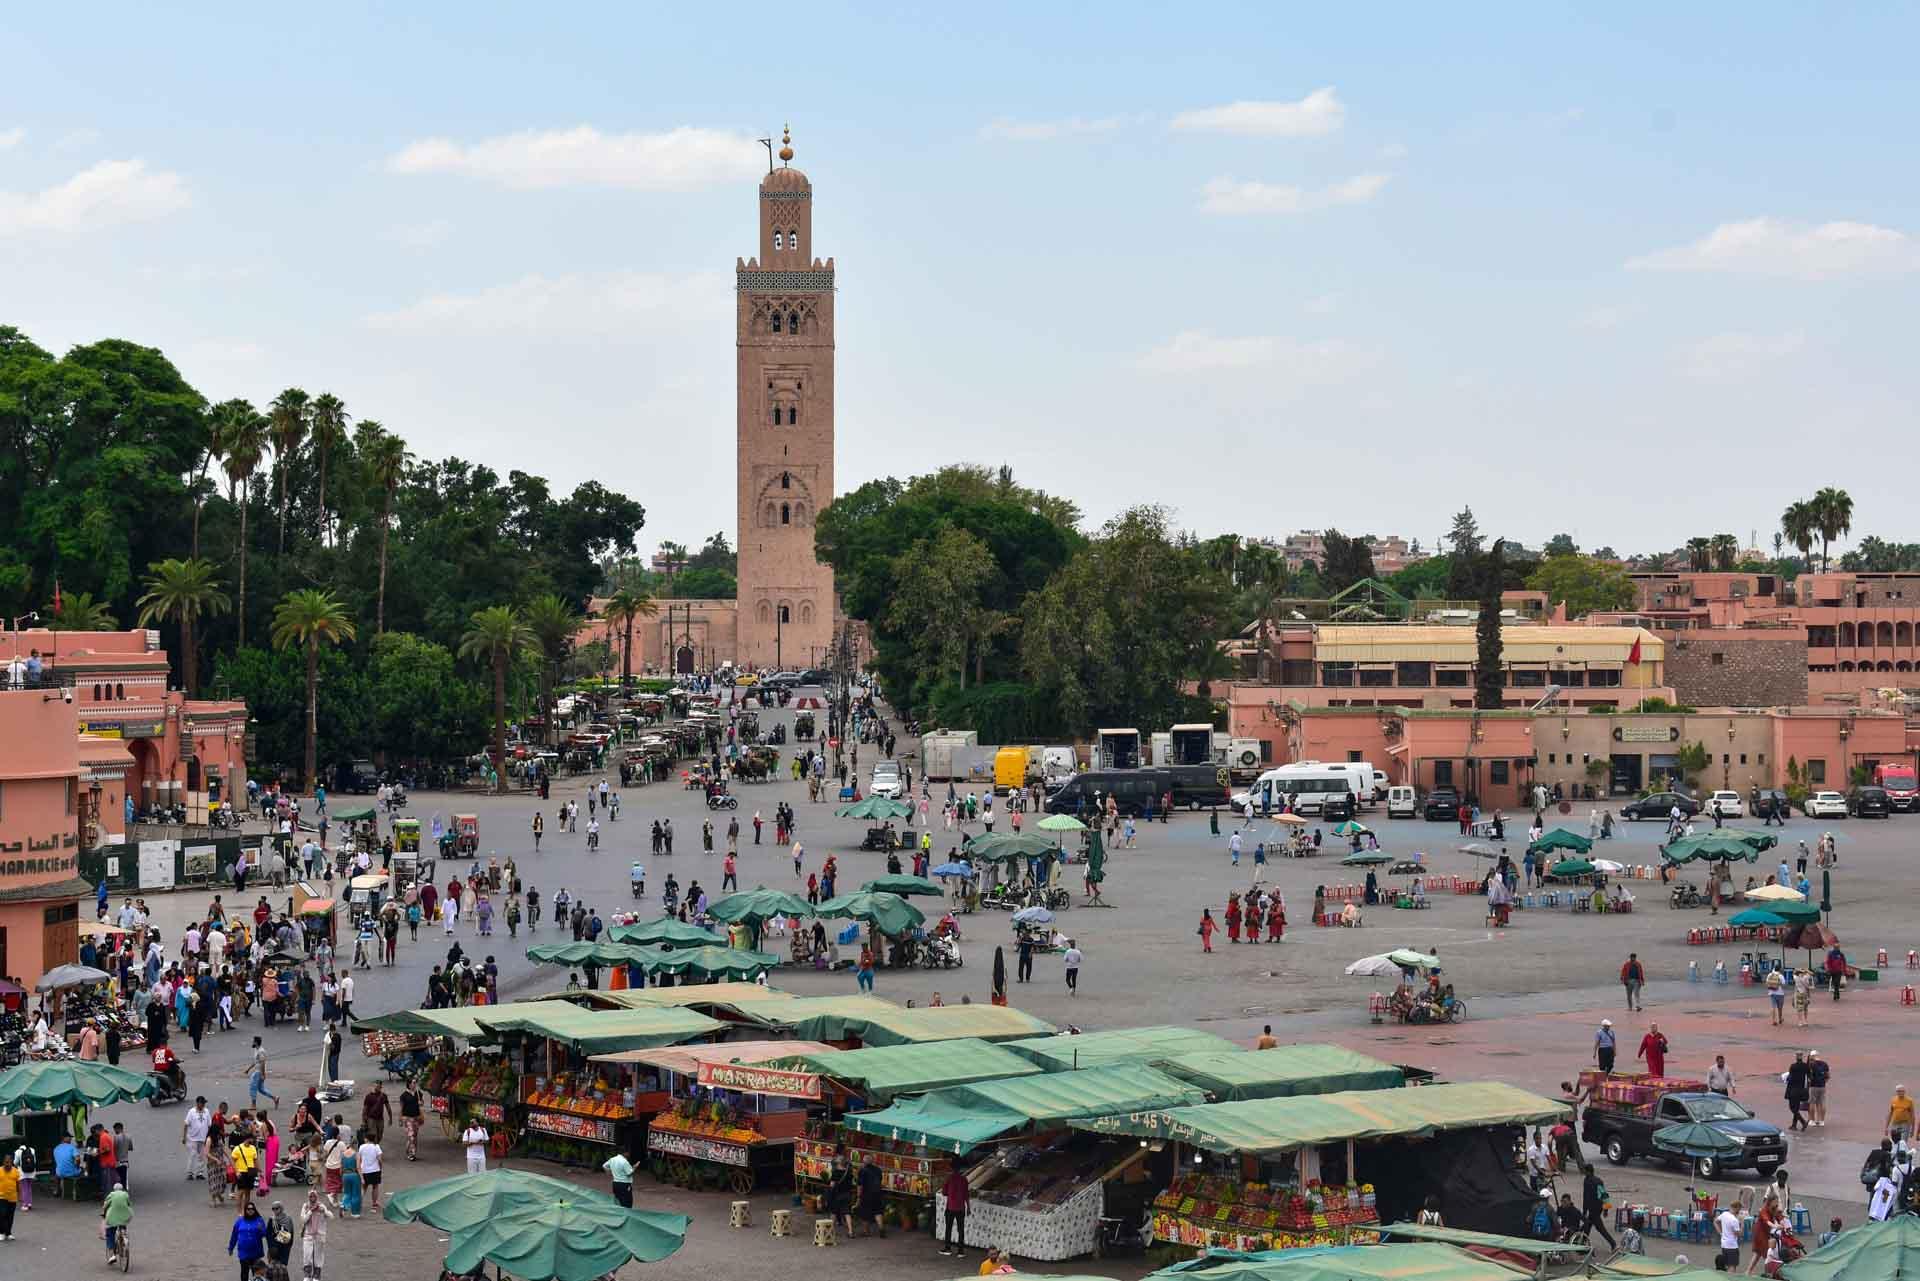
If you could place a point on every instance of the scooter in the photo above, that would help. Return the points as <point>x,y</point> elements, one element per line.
<point>166,1089</point>
<point>638,880</point>
<point>940,953</point>
<point>1118,1236</point>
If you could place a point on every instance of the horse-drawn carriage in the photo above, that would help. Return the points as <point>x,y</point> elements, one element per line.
<point>803,731</point>
<point>757,764</point>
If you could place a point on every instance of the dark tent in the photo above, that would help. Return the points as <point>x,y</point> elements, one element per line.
<point>1472,1172</point>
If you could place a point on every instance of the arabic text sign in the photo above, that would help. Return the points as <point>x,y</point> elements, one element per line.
<point>677,1144</point>
<point>759,1080</point>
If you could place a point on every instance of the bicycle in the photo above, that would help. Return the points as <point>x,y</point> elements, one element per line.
<point>121,1251</point>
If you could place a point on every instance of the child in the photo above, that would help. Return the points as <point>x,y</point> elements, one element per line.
<point>1630,1241</point>
<point>1833,1230</point>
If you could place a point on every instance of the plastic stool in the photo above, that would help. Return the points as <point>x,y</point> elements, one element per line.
<point>823,1232</point>
<point>782,1224</point>
<point>1880,958</point>
<point>1693,971</point>
<point>1720,972</point>
<point>741,1215</point>
<point>1906,995</point>
<point>1802,1220</point>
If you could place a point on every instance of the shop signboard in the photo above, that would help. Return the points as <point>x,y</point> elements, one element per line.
<point>153,728</point>
<point>759,1080</point>
<point>156,865</point>
<point>675,1143</point>
<point>571,1126</point>
<point>1644,734</point>
<point>200,862</point>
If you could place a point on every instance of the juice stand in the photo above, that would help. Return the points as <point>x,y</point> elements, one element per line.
<point>730,1122</point>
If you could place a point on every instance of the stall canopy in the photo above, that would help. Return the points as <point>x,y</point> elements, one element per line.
<point>1119,1045</point>
<point>877,1022</point>
<point>737,999</point>
<point>1282,1072</point>
<point>360,815</point>
<point>1269,1127</point>
<point>686,1059</point>
<point>665,929</point>
<point>462,1022</point>
<point>960,1118</point>
<point>599,1031</point>
<point>884,1072</point>
<point>1414,1261</point>
<point>711,962</point>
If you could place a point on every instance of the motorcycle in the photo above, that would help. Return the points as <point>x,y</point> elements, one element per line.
<point>638,880</point>
<point>1684,895</point>
<point>721,801</point>
<point>1119,1236</point>
<point>396,799</point>
<point>593,841</point>
<point>940,953</point>
<point>167,1089</point>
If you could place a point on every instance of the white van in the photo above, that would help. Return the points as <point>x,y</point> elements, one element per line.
<point>1402,802</point>
<point>1364,778</point>
<point>1309,784</point>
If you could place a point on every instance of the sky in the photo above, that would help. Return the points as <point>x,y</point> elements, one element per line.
<point>1635,273</point>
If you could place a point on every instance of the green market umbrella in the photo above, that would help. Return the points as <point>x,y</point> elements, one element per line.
<point>666,929</point>
<point>1695,1140</point>
<point>467,1200</point>
<point>579,1237</point>
<point>1061,823</point>
<point>1887,1250</point>
<point>1776,914</point>
<point>1561,839</point>
<point>586,953</point>
<point>904,886</point>
<point>1759,840</point>
<point>889,913</point>
<point>45,1085</point>
<point>757,905</point>
<point>1096,859</point>
<point>1351,828</point>
<point>1366,858</point>
<point>1407,957</point>
<point>1003,846</point>
<point>1713,845</point>
<point>1571,867</point>
<point>876,807</point>
<point>712,962</point>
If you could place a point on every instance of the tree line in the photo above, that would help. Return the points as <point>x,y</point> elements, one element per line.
<point>307,553</point>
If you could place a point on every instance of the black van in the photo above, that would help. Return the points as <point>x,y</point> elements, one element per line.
<point>1870,802</point>
<point>1198,787</point>
<point>1133,790</point>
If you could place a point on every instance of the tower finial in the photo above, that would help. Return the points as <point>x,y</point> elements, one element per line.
<point>786,143</point>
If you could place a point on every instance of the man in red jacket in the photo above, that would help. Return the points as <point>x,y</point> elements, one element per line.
<point>1653,1048</point>
<point>956,1191</point>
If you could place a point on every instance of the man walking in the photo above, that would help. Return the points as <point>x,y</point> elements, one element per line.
<point>1072,961</point>
<point>1720,1076</point>
<point>1633,977</point>
<point>620,1171</point>
<point>1604,1046</point>
<point>257,1077</point>
<point>193,1136</point>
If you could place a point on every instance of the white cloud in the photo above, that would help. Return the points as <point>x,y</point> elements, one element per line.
<point>677,160</point>
<point>1733,355</point>
<point>1047,130</point>
<point>102,195</point>
<point>609,305</point>
<point>12,137</point>
<point>1319,113</point>
<point>420,235</point>
<point>1774,247</point>
<point>1231,196</point>
<point>1198,351</point>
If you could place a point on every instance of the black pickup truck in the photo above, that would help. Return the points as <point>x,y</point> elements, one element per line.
<point>1622,1133</point>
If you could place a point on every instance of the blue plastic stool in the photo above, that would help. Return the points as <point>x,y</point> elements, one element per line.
<point>1693,971</point>
<point>1802,1220</point>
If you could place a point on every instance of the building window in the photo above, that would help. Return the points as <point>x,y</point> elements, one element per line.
<point>1500,774</point>
<point>786,615</point>
<point>1719,658</point>
<point>793,322</point>
<point>776,322</point>
<point>1743,758</point>
<point>72,789</point>
<point>1604,679</point>
<point>1414,675</point>
<point>1443,773</point>
<point>1296,671</point>
<point>96,693</point>
<point>120,691</point>
<point>1820,637</point>
<point>793,414</point>
<point>1550,758</point>
<point>1817,773</point>
<point>1336,673</point>
<point>806,613</point>
<point>776,415</point>
<point>786,515</point>
<point>1456,677</point>
<point>1526,678</point>
<point>1266,751</point>
<point>1376,679</point>
<point>763,612</point>
<point>786,481</point>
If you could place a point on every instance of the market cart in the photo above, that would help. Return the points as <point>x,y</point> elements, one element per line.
<point>466,834</point>
<point>406,836</point>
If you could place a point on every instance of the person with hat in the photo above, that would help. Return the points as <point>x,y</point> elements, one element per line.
<point>1605,1045</point>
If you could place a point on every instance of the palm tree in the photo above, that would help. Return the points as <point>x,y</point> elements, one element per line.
<point>675,555</point>
<point>80,612</point>
<point>329,420</point>
<point>213,447</point>
<point>498,635</point>
<point>624,606</point>
<point>1799,523</point>
<point>1264,570</point>
<point>179,591</point>
<point>309,618</point>
<point>288,415</point>
<point>553,623</point>
<point>1726,551</point>
<point>386,458</point>
<point>244,442</point>
<point>1699,554</point>
<point>1833,518</point>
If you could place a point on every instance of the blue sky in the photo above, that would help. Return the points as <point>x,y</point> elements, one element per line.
<point>1638,275</point>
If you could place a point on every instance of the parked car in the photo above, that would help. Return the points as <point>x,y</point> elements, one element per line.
<point>1402,802</point>
<point>1338,807</point>
<point>1443,806</point>
<point>1825,805</point>
<point>1660,805</point>
<point>1621,1132</point>
<point>1869,802</point>
<point>886,780</point>
<point>1729,804</point>
<point>1769,801</point>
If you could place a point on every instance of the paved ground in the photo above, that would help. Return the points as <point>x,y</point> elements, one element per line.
<point>1536,991</point>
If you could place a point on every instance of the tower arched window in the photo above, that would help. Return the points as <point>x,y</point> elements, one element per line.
<point>786,480</point>
<point>793,322</point>
<point>786,514</point>
<point>776,415</point>
<point>776,322</point>
<point>786,614</point>
<point>769,513</point>
<point>778,241</point>
<point>793,415</point>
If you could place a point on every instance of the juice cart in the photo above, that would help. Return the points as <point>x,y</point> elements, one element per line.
<point>466,834</point>
<point>406,835</point>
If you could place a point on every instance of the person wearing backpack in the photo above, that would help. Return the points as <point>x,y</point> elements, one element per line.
<point>1593,1206</point>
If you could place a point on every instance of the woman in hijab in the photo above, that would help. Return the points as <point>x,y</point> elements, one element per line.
<point>999,976</point>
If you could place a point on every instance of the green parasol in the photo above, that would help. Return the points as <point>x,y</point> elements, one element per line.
<point>1061,823</point>
<point>43,1086</point>
<point>876,807</point>
<point>586,953</point>
<point>1776,914</point>
<point>904,886</point>
<point>1004,846</point>
<point>713,962</point>
<point>1571,867</point>
<point>466,1200</point>
<point>890,913</point>
<point>756,905</point>
<point>1696,1140</point>
<point>580,1237</point>
<point>1366,858</point>
<point>1759,840</point>
<point>1712,845</point>
<point>665,929</point>
<point>1561,839</point>
<point>1096,859</point>
<point>1351,828</point>
<point>1882,1250</point>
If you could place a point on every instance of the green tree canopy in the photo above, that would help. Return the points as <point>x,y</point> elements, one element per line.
<point>1583,583</point>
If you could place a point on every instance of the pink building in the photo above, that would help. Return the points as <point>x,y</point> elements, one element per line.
<point>41,796</point>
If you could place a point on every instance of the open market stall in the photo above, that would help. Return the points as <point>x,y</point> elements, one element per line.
<point>727,1119</point>
<point>566,1108</point>
<point>1283,1173</point>
<point>1439,1259</point>
<point>850,1022</point>
<point>1042,1193</point>
<point>1118,1045</point>
<point>1282,1072</point>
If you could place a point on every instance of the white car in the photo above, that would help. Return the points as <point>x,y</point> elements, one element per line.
<point>886,781</point>
<point>1729,803</point>
<point>1826,805</point>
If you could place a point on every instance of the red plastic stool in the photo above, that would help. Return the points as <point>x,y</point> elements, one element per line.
<point>1906,995</point>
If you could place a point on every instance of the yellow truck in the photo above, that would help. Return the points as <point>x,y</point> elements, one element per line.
<point>1010,768</point>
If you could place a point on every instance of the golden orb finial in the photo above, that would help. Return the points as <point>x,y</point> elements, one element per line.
<point>786,143</point>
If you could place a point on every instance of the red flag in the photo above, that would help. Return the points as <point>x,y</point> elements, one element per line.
<point>1633,657</point>
<point>56,595</point>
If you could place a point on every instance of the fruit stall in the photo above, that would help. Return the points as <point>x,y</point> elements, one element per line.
<point>1222,1211</point>
<point>728,1121</point>
<point>470,1084</point>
